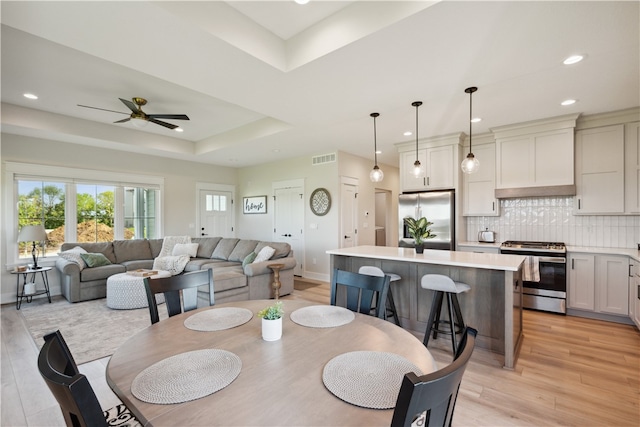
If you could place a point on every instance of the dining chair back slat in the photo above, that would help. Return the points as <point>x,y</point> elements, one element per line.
<point>430,400</point>
<point>360,290</point>
<point>180,292</point>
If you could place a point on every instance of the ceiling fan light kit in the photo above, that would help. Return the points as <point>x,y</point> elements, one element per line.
<point>139,118</point>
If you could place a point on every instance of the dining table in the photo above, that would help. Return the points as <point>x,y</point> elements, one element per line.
<point>211,367</point>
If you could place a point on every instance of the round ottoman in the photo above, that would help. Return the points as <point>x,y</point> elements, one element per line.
<point>126,292</point>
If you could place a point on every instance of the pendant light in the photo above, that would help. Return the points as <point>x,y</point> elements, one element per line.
<point>417,167</point>
<point>376,174</point>
<point>470,164</point>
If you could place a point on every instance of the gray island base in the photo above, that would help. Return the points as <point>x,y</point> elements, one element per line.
<point>492,306</point>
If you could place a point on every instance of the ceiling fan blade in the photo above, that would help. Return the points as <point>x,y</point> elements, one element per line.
<point>103,109</point>
<point>129,104</point>
<point>123,120</point>
<point>168,116</point>
<point>165,124</point>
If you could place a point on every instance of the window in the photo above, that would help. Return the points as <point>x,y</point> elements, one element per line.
<point>77,205</point>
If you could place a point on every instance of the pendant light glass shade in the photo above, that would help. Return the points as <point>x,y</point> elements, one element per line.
<point>376,174</point>
<point>417,167</point>
<point>470,164</point>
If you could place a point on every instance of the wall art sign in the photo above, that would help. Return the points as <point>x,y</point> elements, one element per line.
<point>254,205</point>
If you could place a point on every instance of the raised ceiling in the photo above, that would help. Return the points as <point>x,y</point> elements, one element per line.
<point>266,80</point>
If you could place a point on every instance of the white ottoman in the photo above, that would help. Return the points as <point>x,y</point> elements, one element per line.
<point>126,292</point>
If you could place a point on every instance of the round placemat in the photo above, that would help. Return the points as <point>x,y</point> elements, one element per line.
<point>217,319</point>
<point>370,379</point>
<point>322,316</point>
<point>187,376</point>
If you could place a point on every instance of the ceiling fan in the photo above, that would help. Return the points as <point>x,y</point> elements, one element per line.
<point>140,118</point>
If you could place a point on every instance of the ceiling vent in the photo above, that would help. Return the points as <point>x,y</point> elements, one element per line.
<point>323,158</point>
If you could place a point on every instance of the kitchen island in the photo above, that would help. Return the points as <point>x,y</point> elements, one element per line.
<point>492,306</point>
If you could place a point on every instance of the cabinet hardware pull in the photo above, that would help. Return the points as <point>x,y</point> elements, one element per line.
<point>572,260</point>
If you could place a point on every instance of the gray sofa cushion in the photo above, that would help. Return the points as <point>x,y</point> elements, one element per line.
<point>156,246</point>
<point>282,249</point>
<point>105,248</point>
<point>242,249</point>
<point>206,246</point>
<point>129,250</point>
<point>97,273</point>
<point>224,248</point>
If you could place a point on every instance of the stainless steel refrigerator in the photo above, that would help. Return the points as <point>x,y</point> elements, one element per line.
<point>439,208</point>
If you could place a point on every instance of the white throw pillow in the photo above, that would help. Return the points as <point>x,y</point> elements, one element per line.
<point>190,249</point>
<point>264,254</point>
<point>73,255</point>
<point>173,264</point>
<point>169,242</point>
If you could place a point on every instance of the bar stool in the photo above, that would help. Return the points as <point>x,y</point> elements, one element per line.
<point>444,285</point>
<point>391,305</point>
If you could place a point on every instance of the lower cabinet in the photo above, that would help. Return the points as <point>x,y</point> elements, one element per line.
<point>634,293</point>
<point>599,283</point>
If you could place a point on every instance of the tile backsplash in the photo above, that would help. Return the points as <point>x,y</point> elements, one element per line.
<point>551,219</point>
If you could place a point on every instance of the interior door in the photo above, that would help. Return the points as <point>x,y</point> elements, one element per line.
<point>289,222</point>
<point>348,212</point>
<point>216,214</point>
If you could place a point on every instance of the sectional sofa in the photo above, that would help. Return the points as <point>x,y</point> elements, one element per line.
<point>225,256</point>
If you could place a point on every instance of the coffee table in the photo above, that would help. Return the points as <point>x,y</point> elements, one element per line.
<point>126,292</point>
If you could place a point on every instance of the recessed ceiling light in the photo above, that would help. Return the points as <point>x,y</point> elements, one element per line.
<point>573,59</point>
<point>30,96</point>
<point>302,1</point>
<point>476,120</point>
<point>568,102</point>
<point>408,133</point>
<point>275,150</point>
<point>179,130</point>
<point>378,152</point>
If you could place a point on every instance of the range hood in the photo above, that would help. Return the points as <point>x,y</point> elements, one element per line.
<point>546,191</point>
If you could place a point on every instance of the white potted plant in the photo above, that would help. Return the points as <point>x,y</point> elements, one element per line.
<point>272,321</point>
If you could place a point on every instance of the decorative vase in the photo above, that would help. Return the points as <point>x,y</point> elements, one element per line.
<point>271,329</point>
<point>419,248</point>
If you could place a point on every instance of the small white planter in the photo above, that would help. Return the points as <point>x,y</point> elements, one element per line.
<point>271,329</point>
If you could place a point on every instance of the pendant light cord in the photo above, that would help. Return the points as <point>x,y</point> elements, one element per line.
<point>417,104</point>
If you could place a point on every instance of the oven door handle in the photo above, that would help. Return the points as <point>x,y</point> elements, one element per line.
<point>555,260</point>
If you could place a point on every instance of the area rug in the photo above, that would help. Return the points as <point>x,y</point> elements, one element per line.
<point>91,329</point>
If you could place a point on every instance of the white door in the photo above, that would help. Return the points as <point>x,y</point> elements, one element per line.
<point>289,222</point>
<point>216,214</point>
<point>348,212</point>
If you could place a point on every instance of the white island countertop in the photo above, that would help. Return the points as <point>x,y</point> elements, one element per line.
<point>486,261</point>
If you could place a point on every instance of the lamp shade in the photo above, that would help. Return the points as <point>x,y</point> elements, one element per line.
<point>32,233</point>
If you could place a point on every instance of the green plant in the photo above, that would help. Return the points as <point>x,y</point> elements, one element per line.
<point>419,229</point>
<point>272,312</point>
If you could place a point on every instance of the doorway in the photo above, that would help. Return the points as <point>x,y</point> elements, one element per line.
<point>288,219</point>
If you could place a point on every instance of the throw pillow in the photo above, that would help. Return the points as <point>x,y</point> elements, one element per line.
<point>264,254</point>
<point>249,259</point>
<point>170,241</point>
<point>95,260</point>
<point>173,264</point>
<point>190,249</point>
<point>73,255</point>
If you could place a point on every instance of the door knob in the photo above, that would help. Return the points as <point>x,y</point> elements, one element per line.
<point>203,234</point>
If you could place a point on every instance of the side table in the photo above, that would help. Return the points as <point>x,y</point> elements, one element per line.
<point>20,293</point>
<point>276,279</point>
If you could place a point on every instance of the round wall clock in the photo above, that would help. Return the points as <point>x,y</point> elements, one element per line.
<point>320,201</point>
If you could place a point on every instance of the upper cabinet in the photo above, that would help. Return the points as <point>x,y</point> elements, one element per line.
<point>600,170</point>
<point>536,154</point>
<point>479,187</point>
<point>439,160</point>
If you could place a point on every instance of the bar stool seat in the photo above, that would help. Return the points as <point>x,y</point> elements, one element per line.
<point>391,305</point>
<point>444,285</point>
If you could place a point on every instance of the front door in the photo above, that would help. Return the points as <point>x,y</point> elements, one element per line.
<point>216,214</point>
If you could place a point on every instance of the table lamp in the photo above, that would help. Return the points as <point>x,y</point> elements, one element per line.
<point>33,233</point>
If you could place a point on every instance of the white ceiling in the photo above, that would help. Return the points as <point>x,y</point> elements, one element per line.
<point>264,80</point>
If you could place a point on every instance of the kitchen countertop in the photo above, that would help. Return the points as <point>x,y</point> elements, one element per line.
<point>486,261</point>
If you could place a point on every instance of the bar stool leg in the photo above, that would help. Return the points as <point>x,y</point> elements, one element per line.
<point>435,308</point>
<point>392,306</point>
<point>438,313</point>
<point>460,320</point>
<point>454,342</point>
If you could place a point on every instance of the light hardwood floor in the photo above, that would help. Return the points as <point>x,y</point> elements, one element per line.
<point>571,372</point>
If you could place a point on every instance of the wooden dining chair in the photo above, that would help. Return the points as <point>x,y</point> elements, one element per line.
<point>77,400</point>
<point>180,292</point>
<point>360,291</point>
<point>429,400</point>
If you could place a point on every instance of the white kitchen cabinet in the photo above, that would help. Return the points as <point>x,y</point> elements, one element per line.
<point>581,277</point>
<point>479,188</point>
<point>438,169</point>
<point>487,248</point>
<point>600,170</point>
<point>612,284</point>
<point>632,168</point>
<point>634,293</point>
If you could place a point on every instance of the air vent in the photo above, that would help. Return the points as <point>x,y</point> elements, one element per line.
<point>323,158</point>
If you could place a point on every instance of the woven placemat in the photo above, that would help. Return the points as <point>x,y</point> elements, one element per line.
<point>370,379</point>
<point>217,319</point>
<point>322,316</point>
<point>187,376</point>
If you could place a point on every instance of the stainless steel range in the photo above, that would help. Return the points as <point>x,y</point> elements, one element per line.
<point>550,293</point>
